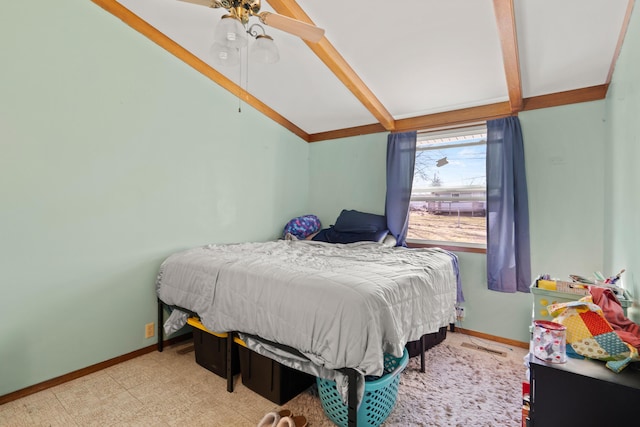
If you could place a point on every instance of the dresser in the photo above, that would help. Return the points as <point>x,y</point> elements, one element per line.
<point>583,393</point>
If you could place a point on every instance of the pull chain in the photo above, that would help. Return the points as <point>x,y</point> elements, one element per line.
<point>246,79</point>
<point>240,89</point>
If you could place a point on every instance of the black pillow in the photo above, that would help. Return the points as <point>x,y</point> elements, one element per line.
<point>352,221</point>
<point>331,235</point>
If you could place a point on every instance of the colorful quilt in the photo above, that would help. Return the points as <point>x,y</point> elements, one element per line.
<point>589,334</point>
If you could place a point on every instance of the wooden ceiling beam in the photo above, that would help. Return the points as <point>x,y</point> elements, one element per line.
<point>557,99</point>
<point>473,114</point>
<point>386,121</point>
<point>338,65</point>
<point>153,34</point>
<point>451,118</point>
<point>623,32</point>
<point>505,18</point>
<point>347,132</point>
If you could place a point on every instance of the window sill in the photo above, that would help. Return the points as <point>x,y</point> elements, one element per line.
<point>449,246</point>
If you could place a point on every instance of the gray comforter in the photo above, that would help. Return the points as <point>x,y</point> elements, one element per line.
<point>339,305</point>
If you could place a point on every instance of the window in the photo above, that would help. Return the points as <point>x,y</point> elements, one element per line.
<point>448,200</point>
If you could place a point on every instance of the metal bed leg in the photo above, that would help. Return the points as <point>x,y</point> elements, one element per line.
<point>422,350</point>
<point>230,344</point>
<point>352,415</point>
<point>452,327</point>
<point>160,328</point>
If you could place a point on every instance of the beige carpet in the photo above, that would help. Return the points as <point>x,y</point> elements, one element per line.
<point>461,387</point>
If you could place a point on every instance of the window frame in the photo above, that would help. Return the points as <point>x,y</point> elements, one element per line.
<point>449,132</point>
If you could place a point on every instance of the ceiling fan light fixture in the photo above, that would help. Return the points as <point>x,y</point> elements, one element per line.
<point>264,50</point>
<point>224,55</point>
<point>230,32</point>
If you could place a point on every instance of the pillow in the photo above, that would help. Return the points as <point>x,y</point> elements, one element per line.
<point>331,235</point>
<point>389,240</point>
<point>302,226</point>
<point>352,221</point>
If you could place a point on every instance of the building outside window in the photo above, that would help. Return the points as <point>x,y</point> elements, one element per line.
<point>448,199</point>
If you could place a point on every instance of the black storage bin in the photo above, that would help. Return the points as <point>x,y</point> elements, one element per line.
<point>211,350</point>
<point>270,379</point>
<point>413,347</point>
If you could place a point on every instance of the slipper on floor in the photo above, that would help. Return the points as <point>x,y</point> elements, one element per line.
<point>272,419</point>
<point>297,421</point>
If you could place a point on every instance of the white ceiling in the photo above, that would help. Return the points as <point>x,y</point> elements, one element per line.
<point>418,57</point>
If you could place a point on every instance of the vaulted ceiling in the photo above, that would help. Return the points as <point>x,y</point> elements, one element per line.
<point>406,65</point>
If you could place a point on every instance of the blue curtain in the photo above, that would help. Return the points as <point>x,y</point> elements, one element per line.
<point>508,249</point>
<point>401,158</point>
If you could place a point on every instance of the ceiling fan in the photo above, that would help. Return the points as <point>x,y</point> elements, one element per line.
<point>243,9</point>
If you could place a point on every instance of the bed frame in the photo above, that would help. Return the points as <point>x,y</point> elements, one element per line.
<point>351,373</point>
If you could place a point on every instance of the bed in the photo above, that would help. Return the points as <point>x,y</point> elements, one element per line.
<point>330,310</point>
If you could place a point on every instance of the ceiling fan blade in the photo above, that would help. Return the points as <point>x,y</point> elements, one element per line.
<point>208,3</point>
<point>301,29</point>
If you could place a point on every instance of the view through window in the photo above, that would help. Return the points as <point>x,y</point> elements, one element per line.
<point>448,199</point>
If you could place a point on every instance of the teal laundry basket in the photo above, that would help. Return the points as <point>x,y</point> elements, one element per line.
<point>379,398</point>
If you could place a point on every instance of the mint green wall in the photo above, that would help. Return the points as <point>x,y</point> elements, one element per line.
<point>114,154</point>
<point>622,149</point>
<point>582,176</point>
<point>563,147</point>
<point>349,173</point>
<point>566,216</point>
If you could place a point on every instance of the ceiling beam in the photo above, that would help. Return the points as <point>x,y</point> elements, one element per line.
<point>337,64</point>
<point>450,118</point>
<point>505,18</point>
<point>473,114</point>
<point>387,123</point>
<point>623,32</point>
<point>557,99</point>
<point>146,29</point>
<point>347,132</point>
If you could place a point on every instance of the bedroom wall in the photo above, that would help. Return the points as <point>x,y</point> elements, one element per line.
<point>622,152</point>
<point>349,173</point>
<point>563,147</point>
<point>115,154</point>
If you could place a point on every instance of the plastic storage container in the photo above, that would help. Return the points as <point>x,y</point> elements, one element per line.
<point>211,349</point>
<point>430,340</point>
<point>270,379</point>
<point>543,297</point>
<point>379,398</point>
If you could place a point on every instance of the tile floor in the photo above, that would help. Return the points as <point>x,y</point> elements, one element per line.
<point>157,389</point>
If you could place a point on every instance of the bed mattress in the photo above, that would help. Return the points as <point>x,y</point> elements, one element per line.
<point>340,305</point>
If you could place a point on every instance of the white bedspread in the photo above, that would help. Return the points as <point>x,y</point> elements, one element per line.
<point>339,305</point>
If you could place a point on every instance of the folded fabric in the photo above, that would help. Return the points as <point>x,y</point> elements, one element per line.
<point>626,329</point>
<point>589,334</point>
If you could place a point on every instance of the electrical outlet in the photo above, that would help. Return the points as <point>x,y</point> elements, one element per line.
<point>149,330</point>
<point>460,313</point>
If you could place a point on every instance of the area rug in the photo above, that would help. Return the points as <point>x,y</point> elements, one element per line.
<point>462,386</point>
